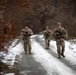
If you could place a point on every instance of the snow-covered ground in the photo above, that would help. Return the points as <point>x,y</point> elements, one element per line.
<point>53,66</point>
<point>13,55</point>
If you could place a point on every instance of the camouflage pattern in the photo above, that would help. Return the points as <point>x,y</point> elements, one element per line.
<point>60,35</point>
<point>26,33</point>
<point>47,35</point>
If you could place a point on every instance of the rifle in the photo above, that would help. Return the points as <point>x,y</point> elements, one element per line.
<point>59,34</point>
<point>26,34</point>
<point>46,34</point>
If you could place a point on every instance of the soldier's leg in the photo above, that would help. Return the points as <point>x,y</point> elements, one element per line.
<point>63,47</point>
<point>29,47</point>
<point>46,43</point>
<point>25,47</point>
<point>58,48</point>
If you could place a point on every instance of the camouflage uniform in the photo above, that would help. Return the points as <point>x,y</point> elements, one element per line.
<point>26,38</point>
<point>47,35</point>
<point>60,35</point>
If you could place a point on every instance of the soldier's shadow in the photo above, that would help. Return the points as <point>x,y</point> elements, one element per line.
<point>63,60</point>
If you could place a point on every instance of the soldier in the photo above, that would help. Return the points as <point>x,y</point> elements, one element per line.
<point>27,32</point>
<point>60,35</point>
<point>47,35</point>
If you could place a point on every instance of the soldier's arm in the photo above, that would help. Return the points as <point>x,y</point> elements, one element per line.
<point>50,32</point>
<point>22,34</point>
<point>45,33</point>
<point>30,32</point>
<point>66,35</point>
<point>54,32</point>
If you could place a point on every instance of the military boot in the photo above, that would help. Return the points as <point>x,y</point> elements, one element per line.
<point>25,51</point>
<point>63,52</point>
<point>59,55</point>
<point>29,51</point>
<point>63,55</point>
<point>47,47</point>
